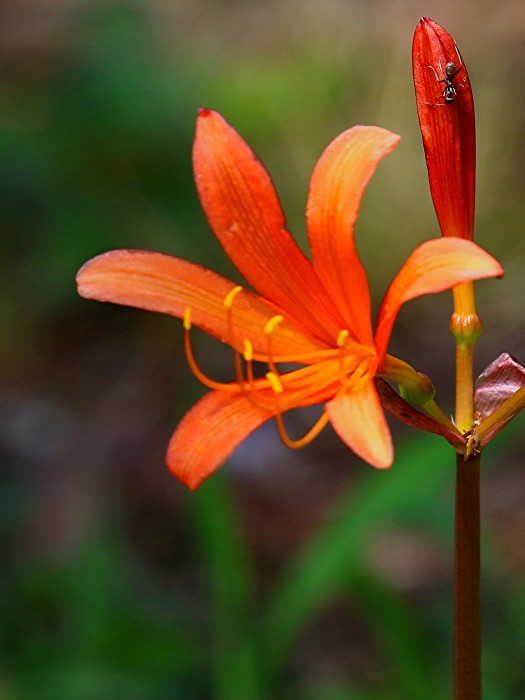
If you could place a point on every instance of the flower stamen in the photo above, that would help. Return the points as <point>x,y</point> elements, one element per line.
<point>248,354</point>
<point>229,298</point>
<point>228,303</point>
<point>269,330</point>
<point>310,436</point>
<point>248,357</point>
<point>359,377</point>
<point>247,391</point>
<point>192,362</point>
<point>276,384</point>
<point>342,338</point>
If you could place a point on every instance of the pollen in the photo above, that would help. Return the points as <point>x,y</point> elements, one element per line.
<point>275,382</point>
<point>229,298</point>
<point>187,318</point>
<point>248,351</point>
<point>272,324</point>
<point>342,338</point>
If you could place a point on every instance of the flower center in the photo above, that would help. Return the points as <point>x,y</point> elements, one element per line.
<point>344,368</point>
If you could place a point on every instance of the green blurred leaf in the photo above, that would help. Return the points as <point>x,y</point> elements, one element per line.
<point>331,561</point>
<point>228,571</point>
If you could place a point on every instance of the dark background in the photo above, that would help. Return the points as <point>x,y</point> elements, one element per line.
<point>288,575</point>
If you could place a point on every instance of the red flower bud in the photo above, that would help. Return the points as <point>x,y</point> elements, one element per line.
<point>445,108</point>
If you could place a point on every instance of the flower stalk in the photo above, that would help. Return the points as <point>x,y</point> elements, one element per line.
<point>446,114</point>
<point>467,608</point>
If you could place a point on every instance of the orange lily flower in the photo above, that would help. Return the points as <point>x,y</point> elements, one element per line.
<point>445,108</point>
<point>312,313</point>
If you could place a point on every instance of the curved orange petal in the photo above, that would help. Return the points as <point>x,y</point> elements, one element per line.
<point>242,208</point>
<point>163,283</point>
<point>358,419</point>
<point>336,189</point>
<point>209,433</point>
<point>434,266</point>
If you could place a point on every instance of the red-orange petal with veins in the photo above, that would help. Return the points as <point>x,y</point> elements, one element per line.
<point>209,433</point>
<point>336,189</point>
<point>243,210</point>
<point>358,419</point>
<point>433,267</point>
<point>163,283</point>
<point>448,128</point>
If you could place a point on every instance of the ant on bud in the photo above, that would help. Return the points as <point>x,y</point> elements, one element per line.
<point>450,91</point>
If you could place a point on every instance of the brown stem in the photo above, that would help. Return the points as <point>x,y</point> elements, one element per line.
<point>467,616</point>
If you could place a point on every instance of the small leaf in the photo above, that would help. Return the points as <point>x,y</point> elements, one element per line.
<point>406,413</point>
<point>498,382</point>
<point>499,395</point>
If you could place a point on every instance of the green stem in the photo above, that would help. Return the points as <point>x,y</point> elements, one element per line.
<point>466,327</point>
<point>464,386</point>
<point>467,616</point>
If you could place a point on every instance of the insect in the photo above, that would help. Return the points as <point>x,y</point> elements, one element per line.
<point>450,91</point>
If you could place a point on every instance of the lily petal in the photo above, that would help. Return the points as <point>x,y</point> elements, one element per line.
<point>209,433</point>
<point>434,266</point>
<point>243,210</point>
<point>336,189</point>
<point>163,283</point>
<point>358,419</point>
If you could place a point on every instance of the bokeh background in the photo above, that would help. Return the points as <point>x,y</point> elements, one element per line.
<point>288,575</point>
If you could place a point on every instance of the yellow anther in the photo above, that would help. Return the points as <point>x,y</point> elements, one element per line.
<point>248,351</point>
<point>228,300</point>
<point>275,382</point>
<point>342,338</point>
<point>187,318</point>
<point>272,324</point>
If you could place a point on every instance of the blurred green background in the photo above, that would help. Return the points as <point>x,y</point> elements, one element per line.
<point>288,575</point>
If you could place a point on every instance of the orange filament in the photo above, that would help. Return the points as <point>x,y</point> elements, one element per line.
<point>360,376</point>
<point>347,366</point>
<point>276,384</point>
<point>248,353</point>
<point>190,357</point>
<point>269,330</point>
<point>228,303</point>
<point>306,439</point>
